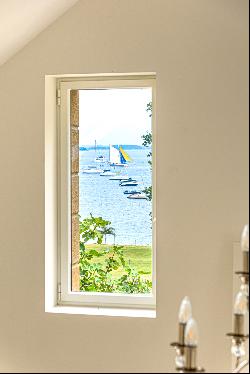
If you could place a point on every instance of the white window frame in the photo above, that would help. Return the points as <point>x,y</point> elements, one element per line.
<point>64,295</point>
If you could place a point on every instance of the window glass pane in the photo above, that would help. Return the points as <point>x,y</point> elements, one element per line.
<point>112,176</point>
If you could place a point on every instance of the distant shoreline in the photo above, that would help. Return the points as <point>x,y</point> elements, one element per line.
<point>106,147</point>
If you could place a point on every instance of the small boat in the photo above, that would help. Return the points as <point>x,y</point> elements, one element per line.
<point>132,192</point>
<point>92,170</point>
<point>139,196</point>
<point>107,173</point>
<point>128,180</point>
<point>100,159</point>
<point>129,184</point>
<point>119,178</point>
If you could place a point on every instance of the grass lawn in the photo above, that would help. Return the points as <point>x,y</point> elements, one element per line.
<point>139,257</point>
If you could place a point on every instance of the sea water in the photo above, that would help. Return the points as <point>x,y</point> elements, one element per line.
<point>104,198</point>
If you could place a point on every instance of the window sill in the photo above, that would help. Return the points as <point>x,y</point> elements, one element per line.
<point>105,312</point>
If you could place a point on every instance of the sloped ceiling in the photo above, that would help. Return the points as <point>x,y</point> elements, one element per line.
<point>22,20</point>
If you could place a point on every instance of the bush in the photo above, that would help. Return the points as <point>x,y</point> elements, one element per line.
<point>99,276</point>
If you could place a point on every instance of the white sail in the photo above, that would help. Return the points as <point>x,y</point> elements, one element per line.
<point>114,155</point>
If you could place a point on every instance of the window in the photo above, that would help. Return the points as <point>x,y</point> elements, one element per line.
<point>105,177</point>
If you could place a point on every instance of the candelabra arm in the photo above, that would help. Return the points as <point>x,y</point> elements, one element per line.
<point>241,366</point>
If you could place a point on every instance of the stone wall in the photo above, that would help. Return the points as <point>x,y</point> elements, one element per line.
<point>74,123</point>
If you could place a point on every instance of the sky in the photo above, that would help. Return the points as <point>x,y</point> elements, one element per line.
<point>114,116</point>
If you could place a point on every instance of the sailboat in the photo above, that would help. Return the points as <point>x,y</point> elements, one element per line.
<point>99,158</point>
<point>118,157</point>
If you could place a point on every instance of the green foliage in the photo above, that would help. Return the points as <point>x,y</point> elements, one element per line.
<point>150,108</point>
<point>148,192</point>
<point>137,256</point>
<point>147,142</point>
<point>147,139</point>
<point>98,267</point>
<point>95,228</point>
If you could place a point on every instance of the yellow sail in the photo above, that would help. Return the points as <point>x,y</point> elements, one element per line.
<point>125,155</point>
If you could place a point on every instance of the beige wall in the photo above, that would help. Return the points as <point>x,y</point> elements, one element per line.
<point>199,49</point>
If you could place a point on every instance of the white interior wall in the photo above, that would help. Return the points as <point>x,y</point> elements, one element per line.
<point>21,21</point>
<point>199,50</point>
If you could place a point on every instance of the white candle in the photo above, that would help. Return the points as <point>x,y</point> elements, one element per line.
<point>245,239</point>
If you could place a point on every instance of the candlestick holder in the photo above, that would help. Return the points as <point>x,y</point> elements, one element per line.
<point>186,347</point>
<point>241,308</point>
<point>190,358</point>
<point>244,277</point>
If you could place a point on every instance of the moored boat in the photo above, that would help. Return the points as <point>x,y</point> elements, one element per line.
<point>128,180</point>
<point>140,196</point>
<point>119,178</point>
<point>92,170</point>
<point>131,192</point>
<point>100,159</point>
<point>129,184</point>
<point>107,173</point>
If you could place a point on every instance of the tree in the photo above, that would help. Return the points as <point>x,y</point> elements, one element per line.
<point>95,228</point>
